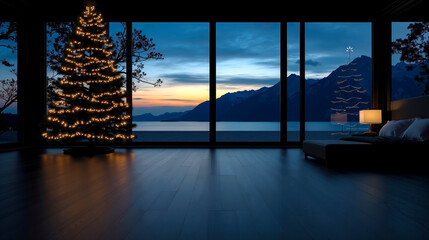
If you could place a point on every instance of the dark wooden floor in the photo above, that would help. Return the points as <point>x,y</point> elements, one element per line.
<point>204,194</point>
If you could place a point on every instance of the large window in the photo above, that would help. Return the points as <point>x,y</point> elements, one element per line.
<point>338,78</point>
<point>8,83</point>
<point>176,109</point>
<point>170,78</point>
<point>407,80</point>
<point>248,82</point>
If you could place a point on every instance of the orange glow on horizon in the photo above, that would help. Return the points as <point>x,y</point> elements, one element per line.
<point>179,96</point>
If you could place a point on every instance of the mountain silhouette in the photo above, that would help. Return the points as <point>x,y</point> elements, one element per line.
<point>264,104</point>
<point>163,117</point>
<point>320,95</point>
<point>403,83</point>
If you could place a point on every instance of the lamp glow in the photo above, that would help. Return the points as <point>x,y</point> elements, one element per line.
<point>370,116</point>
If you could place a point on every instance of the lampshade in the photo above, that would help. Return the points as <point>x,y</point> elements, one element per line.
<point>371,116</point>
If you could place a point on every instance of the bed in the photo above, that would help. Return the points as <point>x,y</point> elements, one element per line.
<point>403,140</point>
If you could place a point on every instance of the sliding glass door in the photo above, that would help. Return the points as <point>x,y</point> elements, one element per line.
<point>171,82</point>
<point>247,82</point>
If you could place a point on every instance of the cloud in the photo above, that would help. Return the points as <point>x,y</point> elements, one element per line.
<point>271,63</point>
<point>178,40</point>
<point>311,62</point>
<point>332,38</point>
<point>248,81</point>
<point>177,100</point>
<point>244,40</point>
<point>185,78</point>
<point>249,46</point>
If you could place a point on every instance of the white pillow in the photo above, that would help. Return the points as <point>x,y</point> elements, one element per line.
<point>395,128</point>
<point>418,130</point>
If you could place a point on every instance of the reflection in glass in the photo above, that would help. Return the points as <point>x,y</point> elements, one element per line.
<point>338,78</point>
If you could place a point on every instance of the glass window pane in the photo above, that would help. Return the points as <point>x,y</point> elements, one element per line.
<point>338,78</point>
<point>8,83</point>
<point>293,82</point>
<point>248,82</point>
<point>178,55</point>
<point>404,73</point>
<point>118,33</point>
<point>56,39</point>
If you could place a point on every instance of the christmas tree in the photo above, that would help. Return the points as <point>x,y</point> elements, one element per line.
<point>89,103</point>
<point>348,97</point>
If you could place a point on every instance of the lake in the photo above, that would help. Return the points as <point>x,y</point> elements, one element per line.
<point>241,126</point>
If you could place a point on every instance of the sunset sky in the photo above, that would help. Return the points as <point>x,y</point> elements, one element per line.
<point>247,57</point>
<point>184,70</point>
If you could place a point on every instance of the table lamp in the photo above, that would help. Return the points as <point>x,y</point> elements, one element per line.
<point>370,116</point>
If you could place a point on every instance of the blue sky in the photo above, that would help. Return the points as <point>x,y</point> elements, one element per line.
<point>399,30</point>
<point>247,55</point>
<point>326,45</point>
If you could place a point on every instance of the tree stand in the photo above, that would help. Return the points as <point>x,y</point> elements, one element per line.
<point>88,150</point>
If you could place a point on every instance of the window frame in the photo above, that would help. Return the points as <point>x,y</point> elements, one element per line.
<point>380,92</point>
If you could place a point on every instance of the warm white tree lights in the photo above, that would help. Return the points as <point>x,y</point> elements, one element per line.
<point>89,103</point>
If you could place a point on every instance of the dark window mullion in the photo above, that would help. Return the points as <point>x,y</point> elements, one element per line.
<point>283,82</point>
<point>212,84</point>
<point>302,81</point>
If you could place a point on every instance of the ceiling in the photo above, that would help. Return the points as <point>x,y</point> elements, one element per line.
<point>233,10</point>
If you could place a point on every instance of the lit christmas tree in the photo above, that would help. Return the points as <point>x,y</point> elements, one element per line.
<point>89,104</point>
<point>348,97</point>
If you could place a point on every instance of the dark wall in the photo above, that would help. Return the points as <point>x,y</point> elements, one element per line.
<point>191,10</point>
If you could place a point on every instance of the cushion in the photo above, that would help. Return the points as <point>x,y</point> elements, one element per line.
<point>418,130</point>
<point>395,128</point>
<point>324,148</point>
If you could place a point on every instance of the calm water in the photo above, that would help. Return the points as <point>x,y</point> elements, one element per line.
<point>240,126</point>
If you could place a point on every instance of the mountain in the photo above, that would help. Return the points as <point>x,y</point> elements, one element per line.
<point>163,117</point>
<point>293,84</point>
<point>403,83</point>
<point>264,104</point>
<point>320,94</point>
<point>8,121</point>
<point>224,104</point>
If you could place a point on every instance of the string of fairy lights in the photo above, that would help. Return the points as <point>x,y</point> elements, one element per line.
<point>77,123</point>
<point>89,66</point>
